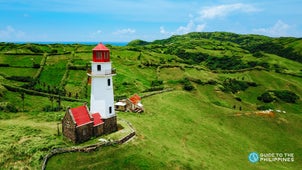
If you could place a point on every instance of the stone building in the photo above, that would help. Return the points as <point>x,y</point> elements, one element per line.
<point>79,126</point>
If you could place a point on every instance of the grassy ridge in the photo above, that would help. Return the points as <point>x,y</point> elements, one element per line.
<point>181,129</point>
<point>197,136</point>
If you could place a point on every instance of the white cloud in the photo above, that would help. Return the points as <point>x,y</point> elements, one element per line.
<point>125,31</point>
<point>191,26</point>
<point>200,27</point>
<point>186,29</point>
<point>162,30</point>
<point>199,23</point>
<point>10,33</point>
<point>279,29</point>
<point>224,10</point>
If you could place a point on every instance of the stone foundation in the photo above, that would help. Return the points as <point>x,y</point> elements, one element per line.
<point>110,125</point>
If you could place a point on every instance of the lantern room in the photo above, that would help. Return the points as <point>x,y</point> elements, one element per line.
<point>101,53</point>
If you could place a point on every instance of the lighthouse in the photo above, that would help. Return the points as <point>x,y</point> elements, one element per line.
<point>102,96</point>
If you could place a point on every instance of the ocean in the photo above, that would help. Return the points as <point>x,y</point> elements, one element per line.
<point>74,42</point>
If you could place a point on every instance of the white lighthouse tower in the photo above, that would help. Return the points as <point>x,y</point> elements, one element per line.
<point>102,97</point>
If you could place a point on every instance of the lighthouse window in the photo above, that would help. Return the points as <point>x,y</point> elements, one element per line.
<point>99,67</point>
<point>110,109</point>
<point>98,55</point>
<point>109,82</point>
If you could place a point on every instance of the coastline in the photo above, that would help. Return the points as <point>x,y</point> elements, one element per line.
<point>72,42</point>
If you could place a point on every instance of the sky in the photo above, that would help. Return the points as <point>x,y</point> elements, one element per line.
<point>126,20</point>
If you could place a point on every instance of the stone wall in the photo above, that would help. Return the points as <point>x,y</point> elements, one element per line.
<point>110,125</point>
<point>68,127</point>
<point>98,130</point>
<point>84,133</point>
<point>89,148</point>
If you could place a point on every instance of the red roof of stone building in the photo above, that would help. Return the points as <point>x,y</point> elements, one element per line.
<point>81,115</point>
<point>97,120</point>
<point>135,99</point>
<point>100,47</point>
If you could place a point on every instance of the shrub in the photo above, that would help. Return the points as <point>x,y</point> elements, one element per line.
<point>4,65</point>
<point>156,88</point>
<point>284,95</point>
<point>2,90</point>
<point>8,107</point>
<point>35,65</point>
<point>156,83</point>
<point>238,99</point>
<point>258,54</point>
<point>233,85</point>
<point>187,85</point>
<point>225,63</point>
<point>287,96</point>
<point>48,108</point>
<point>266,97</point>
<point>264,107</point>
<point>21,78</point>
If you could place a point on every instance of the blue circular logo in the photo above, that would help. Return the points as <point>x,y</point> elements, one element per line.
<point>253,157</point>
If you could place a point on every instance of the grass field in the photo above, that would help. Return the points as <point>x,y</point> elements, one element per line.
<point>197,136</point>
<point>11,71</point>
<point>20,60</point>
<point>203,127</point>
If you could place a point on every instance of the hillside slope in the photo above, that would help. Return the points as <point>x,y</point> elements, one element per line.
<point>209,121</point>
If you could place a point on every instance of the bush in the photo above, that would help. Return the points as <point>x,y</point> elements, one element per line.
<point>35,65</point>
<point>284,95</point>
<point>238,99</point>
<point>225,63</point>
<point>264,107</point>
<point>4,65</point>
<point>287,96</point>
<point>187,85</point>
<point>266,97</point>
<point>8,107</point>
<point>233,85</point>
<point>2,90</point>
<point>21,78</point>
<point>157,88</point>
<point>48,108</point>
<point>77,67</point>
<point>156,83</point>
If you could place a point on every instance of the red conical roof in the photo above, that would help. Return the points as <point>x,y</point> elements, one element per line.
<point>100,47</point>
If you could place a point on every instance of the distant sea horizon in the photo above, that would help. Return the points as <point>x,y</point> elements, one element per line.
<point>74,42</point>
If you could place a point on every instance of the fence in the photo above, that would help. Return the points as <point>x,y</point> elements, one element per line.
<point>89,148</point>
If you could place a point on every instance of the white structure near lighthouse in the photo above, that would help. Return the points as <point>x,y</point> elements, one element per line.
<point>102,96</point>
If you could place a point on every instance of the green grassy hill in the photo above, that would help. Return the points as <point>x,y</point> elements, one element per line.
<point>208,121</point>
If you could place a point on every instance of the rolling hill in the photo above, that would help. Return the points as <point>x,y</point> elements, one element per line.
<point>220,82</point>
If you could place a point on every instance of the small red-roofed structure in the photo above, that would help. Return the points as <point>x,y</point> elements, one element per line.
<point>79,125</point>
<point>134,104</point>
<point>98,127</point>
<point>135,99</point>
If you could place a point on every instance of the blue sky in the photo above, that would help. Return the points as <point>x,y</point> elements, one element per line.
<point>125,20</point>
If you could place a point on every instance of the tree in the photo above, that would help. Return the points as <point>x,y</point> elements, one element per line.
<point>51,98</point>
<point>22,97</point>
<point>59,102</point>
<point>266,97</point>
